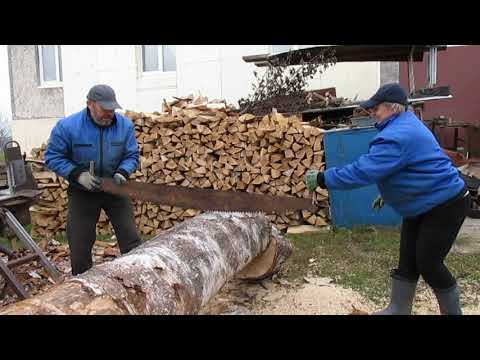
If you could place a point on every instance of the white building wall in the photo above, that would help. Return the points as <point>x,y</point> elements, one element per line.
<point>86,65</point>
<point>237,75</point>
<point>216,71</point>
<point>32,133</point>
<point>356,79</point>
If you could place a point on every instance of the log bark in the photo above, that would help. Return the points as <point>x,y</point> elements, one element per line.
<point>177,272</point>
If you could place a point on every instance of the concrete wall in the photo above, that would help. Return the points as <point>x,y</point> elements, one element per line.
<point>32,133</point>
<point>29,100</point>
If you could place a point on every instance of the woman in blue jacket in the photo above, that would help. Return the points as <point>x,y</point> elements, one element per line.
<point>417,180</point>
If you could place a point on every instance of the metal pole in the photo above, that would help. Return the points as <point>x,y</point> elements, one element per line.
<point>432,67</point>
<point>411,76</point>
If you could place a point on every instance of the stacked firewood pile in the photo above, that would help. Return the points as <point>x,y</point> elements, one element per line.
<point>3,175</point>
<point>49,214</point>
<point>196,143</point>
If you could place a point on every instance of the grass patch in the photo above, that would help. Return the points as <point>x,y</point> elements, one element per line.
<point>361,259</point>
<point>60,237</point>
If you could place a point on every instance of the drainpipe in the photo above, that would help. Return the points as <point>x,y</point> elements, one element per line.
<point>411,77</point>
<point>432,67</point>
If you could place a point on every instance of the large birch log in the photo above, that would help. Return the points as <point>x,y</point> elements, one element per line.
<point>177,272</point>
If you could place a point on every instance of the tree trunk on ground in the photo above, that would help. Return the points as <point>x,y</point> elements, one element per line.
<point>177,272</point>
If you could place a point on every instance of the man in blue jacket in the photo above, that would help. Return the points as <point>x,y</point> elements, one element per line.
<point>417,180</point>
<point>99,134</point>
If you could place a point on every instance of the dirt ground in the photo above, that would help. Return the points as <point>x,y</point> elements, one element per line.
<point>34,277</point>
<point>308,294</point>
<point>468,239</point>
<point>315,295</point>
<point>318,296</point>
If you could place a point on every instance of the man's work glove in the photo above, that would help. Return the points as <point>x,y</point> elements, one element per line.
<point>89,181</point>
<point>119,179</point>
<point>313,179</point>
<point>378,203</point>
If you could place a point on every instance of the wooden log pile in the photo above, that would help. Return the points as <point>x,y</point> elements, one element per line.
<point>196,143</point>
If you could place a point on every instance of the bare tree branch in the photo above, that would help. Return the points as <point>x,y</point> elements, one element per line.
<point>5,131</point>
<point>284,80</point>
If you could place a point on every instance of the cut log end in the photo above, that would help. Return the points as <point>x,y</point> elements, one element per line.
<point>269,262</point>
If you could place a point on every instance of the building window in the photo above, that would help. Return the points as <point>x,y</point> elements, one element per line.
<point>158,58</point>
<point>50,65</point>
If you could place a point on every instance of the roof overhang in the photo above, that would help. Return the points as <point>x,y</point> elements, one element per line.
<point>346,53</point>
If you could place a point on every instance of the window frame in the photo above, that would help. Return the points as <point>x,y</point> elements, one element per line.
<point>158,72</point>
<point>58,71</point>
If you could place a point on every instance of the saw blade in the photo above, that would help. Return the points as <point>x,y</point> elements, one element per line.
<point>207,199</point>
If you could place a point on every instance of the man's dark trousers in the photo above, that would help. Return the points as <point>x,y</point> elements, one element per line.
<point>84,209</point>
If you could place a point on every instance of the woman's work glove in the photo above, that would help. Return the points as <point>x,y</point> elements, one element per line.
<point>313,179</point>
<point>378,203</point>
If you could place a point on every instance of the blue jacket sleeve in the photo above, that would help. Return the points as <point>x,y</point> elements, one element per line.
<point>58,151</point>
<point>131,159</point>
<point>384,158</point>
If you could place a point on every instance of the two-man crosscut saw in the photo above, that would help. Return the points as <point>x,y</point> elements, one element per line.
<point>207,199</point>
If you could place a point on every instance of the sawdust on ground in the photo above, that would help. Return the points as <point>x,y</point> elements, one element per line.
<point>311,299</point>
<point>317,296</point>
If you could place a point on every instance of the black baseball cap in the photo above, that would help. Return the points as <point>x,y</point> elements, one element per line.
<point>392,93</point>
<point>105,96</point>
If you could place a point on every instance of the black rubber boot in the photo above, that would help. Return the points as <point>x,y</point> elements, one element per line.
<point>401,299</point>
<point>449,300</point>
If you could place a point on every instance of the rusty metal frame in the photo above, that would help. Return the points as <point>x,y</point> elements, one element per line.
<point>12,281</point>
<point>14,210</point>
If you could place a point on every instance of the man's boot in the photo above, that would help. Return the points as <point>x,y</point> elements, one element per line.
<point>449,300</point>
<point>402,295</point>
